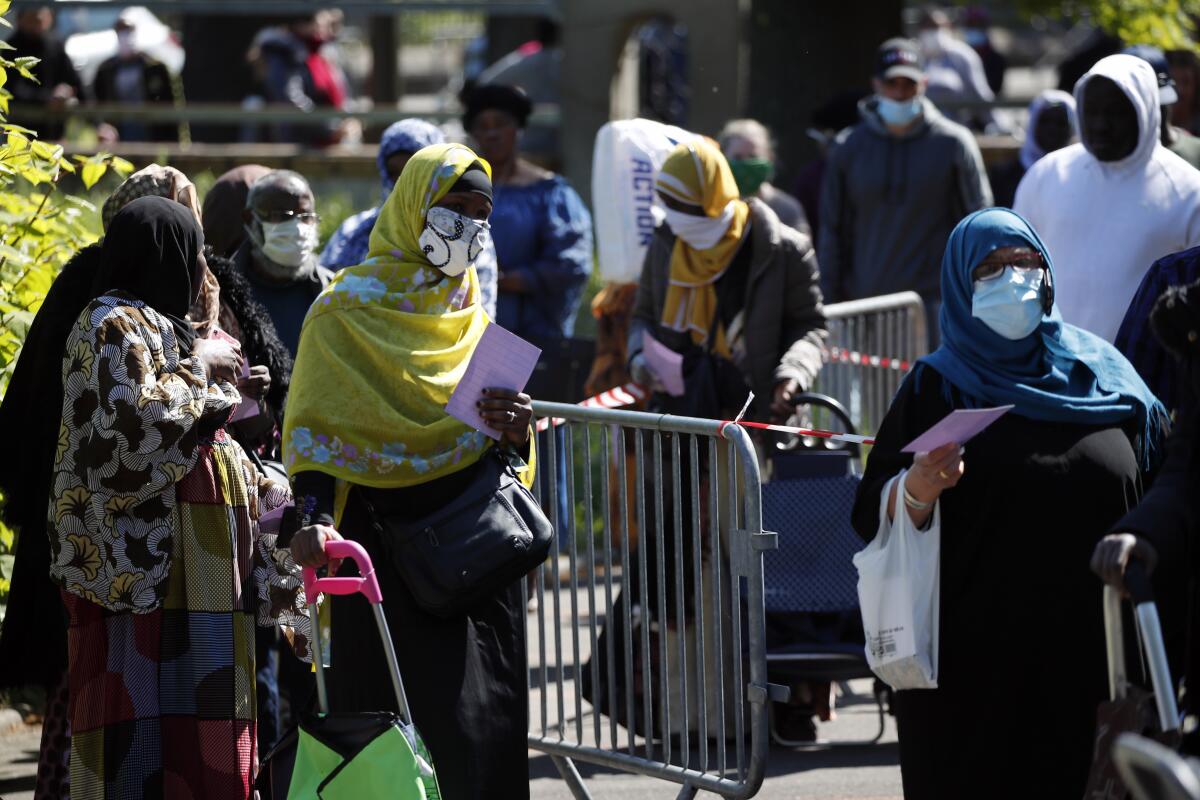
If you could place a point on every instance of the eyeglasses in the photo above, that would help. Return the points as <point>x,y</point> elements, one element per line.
<point>990,270</point>
<point>275,217</point>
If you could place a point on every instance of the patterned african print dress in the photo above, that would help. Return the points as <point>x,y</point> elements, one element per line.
<point>155,544</point>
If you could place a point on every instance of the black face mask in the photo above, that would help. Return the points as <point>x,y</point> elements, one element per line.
<point>1108,121</point>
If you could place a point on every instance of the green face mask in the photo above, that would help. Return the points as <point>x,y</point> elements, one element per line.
<point>750,173</point>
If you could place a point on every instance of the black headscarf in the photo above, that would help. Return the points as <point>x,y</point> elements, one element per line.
<point>150,251</point>
<point>224,227</point>
<point>476,180</point>
<point>511,99</point>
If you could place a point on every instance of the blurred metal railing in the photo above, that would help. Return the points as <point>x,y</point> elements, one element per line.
<point>648,642</point>
<point>259,7</point>
<point>872,344</point>
<point>236,114</point>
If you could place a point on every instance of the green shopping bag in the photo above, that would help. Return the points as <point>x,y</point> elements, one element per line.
<point>352,756</point>
<point>355,756</point>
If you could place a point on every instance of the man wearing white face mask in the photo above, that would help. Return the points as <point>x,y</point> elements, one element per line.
<point>894,188</point>
<point>279,255</point>
<point>134,78</point>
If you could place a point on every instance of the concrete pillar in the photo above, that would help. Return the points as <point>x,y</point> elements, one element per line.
<point>802,53</point>
<point>594,35</point>
<point>385,56</point>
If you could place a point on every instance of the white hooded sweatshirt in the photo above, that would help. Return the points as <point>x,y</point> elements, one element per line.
<point>1105,222</point>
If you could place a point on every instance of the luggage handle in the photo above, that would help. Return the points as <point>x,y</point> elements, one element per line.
<point>1150,627</point>
<point>366,583</point>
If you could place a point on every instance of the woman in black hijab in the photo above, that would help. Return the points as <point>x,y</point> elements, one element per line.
<point>152,533</point>
<point>33,646</point>
<point>152,251</point>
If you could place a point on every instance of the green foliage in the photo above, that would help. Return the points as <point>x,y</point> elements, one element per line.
<point>41,227</point>
<point>1169,24</point>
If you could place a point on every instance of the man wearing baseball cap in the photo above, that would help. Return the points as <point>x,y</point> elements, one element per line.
<point>1177,140</point>
<point>896,185</point>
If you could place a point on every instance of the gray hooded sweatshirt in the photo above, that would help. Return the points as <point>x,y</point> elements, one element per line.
<point>889,202</point>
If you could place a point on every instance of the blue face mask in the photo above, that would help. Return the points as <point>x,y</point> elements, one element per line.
<point>976,37</point>
<point>1011,303</point>
<point>899,112</point>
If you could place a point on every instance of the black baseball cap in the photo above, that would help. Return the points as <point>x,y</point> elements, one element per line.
<point>899,58</point>
<point>1157,59</point>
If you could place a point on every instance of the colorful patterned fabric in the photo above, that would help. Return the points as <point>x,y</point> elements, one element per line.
<point>151,517</point>
<point>153,181</point>
<point>130,408</point>
<point>163,703</point>
<point>384,346</point>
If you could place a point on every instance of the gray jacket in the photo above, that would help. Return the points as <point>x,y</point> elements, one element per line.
<point>888,204</point>
<point>785,324</point>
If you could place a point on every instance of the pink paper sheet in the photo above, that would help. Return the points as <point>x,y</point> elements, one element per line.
<point>501,360</point>
<point>958,426</point>
<point>666,364</point>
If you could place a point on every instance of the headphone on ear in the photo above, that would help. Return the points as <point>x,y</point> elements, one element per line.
<point>1048,292</point>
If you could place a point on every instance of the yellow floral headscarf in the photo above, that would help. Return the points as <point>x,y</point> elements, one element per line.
<point>697,174</point>
<point>383,347</point>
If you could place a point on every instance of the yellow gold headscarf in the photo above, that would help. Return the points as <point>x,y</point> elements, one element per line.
<point>383,347</point>
<point>697,174</point>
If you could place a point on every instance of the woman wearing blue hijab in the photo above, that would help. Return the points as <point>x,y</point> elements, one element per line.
<point>1021,646</point>
<point>348,245</point>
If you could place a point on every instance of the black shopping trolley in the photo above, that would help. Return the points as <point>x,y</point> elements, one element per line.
<point>1135,725</point>
<point>350,755</point>
<point>813,618</point>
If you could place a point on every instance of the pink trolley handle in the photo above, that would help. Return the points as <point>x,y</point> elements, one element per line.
<point>366,583</point>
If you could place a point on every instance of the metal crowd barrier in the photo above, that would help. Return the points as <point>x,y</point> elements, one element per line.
<point>872,344</point>
<point>647,647</point>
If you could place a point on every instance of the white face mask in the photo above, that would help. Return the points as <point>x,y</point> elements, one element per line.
<point>125,46</point>
<point>933,41</point>
<point>289,243</point>
<point>1011,303</point>
<point>452,242</point>
<point>700,233</point>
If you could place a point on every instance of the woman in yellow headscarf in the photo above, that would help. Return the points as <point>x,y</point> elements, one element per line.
<point>381,350</point>
<point>735,291</point>
<point>723,274</point>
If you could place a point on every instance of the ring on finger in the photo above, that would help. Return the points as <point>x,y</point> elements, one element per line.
<point>512,415</point>
<point>942,474</point>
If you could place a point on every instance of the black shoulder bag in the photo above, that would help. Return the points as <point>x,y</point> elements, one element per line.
<point>487,538</point>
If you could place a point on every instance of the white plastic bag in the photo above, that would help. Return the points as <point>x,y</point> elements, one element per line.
<point>625,161</point>
<point>899,579</point>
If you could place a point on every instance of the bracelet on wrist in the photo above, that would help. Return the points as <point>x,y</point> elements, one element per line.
<point>913,503</point>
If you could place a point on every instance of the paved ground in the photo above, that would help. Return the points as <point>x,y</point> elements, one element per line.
<point>868,773</point>
<point>18,762</point>
<point>862,773</point>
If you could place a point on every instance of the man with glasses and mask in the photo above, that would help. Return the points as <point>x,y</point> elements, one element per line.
<point>279,256</point>
<point>895,186</point>
<point>1110,206</point>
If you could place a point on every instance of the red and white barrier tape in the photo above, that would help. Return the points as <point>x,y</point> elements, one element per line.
<point>840,355</point>
<point>617,397</point>
<point>631,393</point>
<point>852,438</point>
